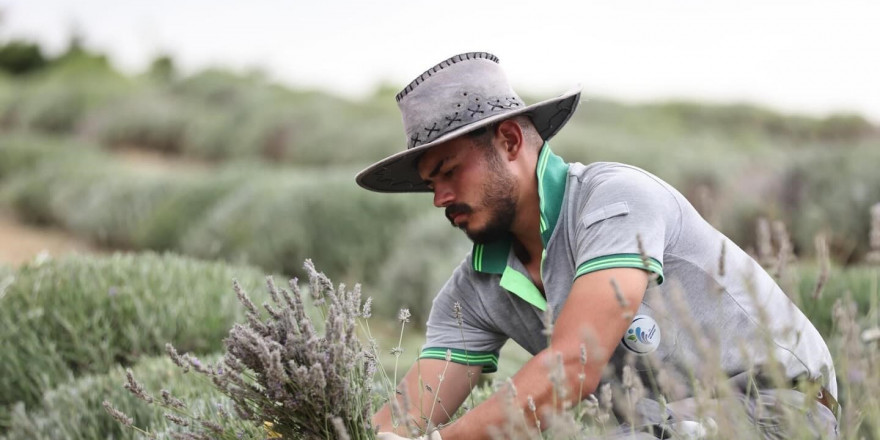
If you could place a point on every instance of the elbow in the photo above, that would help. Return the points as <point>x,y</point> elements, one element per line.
<point>572,378</point>
<point>581,382</point>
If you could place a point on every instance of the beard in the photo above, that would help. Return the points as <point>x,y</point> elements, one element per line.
<point>498,201</point>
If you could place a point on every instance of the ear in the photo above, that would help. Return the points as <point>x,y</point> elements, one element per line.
<point>510,140</point>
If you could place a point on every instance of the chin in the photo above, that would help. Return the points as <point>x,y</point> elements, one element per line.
<point>485,236</point>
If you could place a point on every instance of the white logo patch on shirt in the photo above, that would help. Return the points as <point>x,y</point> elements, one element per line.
<point>642,336</point>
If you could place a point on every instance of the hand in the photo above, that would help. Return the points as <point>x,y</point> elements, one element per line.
<point>435,435</point>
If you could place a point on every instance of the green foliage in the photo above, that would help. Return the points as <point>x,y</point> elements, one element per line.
<point>168,221</point>
<point>74,409</point>
<point>21,57</point>
<point>81,59</point>
<point>859,283</point>
<point>18,152</point>
<point>56,109</point>
<point>736,123</point>
<point>411,277</point>
<point>279,219</point>
<point>59,100</point>
<point>35,192</point>
<point>271,218</point>
<point>75,316</point>
<point>162,68</point>
<point>147,120</point>
<point>8,101</point>
<point>831,193</point>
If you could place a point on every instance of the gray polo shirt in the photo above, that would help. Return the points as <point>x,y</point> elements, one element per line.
<point>608,215</point>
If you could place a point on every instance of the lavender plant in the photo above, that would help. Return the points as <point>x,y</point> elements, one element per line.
<point>281,372</point>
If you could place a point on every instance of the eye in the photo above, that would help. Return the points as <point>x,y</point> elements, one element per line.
<point>449,173</point>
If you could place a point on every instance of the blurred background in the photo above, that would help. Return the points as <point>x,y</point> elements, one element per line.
<point>229,133</point>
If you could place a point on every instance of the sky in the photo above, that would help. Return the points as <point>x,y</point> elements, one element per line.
<point>804,56</point>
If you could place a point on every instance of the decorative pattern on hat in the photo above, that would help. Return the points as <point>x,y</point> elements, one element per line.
<point>471,109</point>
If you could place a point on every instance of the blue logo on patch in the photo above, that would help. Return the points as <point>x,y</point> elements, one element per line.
<point>639,335</point>
<point>642,336</point>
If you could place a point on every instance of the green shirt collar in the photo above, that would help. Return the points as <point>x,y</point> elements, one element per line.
<point>551,171</point>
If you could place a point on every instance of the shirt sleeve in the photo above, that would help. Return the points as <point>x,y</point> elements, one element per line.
<point>625,223</point>
<point>459,327</point>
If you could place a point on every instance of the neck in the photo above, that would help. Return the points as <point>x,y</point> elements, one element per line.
<point>527,225</point>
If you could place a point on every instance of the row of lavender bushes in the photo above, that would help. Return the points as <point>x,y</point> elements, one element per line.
<point>298,356</point>
<point>274,217</point>
<point>76,317</point>
<point>76,329</point>
<point>213,115</point>
<point>216,114</point>
<point>736,162</point>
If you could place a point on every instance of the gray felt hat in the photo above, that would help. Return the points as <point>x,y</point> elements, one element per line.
<point>459,95</point>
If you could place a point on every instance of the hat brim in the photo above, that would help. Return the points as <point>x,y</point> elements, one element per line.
<point>398,173</point>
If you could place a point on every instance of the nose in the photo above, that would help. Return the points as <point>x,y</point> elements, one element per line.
<point>443,196</point>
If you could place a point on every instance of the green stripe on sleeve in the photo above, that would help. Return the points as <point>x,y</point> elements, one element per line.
<point>489,361</point>
<point>622,260</point>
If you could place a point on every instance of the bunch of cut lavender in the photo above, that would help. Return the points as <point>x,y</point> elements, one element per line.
<point>281,373</point>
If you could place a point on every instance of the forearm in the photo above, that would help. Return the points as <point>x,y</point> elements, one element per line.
<point>383,421</point>
<point>412,408</point>
<point>535,380</point>
<point>431,390</point>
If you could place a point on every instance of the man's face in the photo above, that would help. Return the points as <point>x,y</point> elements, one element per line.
<point>471,182</point>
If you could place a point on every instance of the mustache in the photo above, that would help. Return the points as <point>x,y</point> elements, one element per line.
<point>458,208</point>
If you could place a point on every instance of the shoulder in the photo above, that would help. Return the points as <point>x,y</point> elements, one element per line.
<point>468,291</point>
<point>465,283</point>
<point>601,183</point>
<point>611,176</point>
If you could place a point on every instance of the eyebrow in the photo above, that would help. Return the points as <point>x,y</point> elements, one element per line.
<point>436,169</point>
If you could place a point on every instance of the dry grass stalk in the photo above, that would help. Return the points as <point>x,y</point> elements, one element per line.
<point>785,250</point>
<point>764,242</point>
<point>873,256</point>
<point>824,265</point>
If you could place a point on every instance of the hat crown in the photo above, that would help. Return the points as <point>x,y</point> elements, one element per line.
<point>455,93</point>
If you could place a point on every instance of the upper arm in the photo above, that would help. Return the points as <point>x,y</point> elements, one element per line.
<point>596,315</point>
<point>627,221</point>
<point>458,322</point>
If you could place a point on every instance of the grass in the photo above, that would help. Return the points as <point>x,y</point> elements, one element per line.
<point>860,284</point>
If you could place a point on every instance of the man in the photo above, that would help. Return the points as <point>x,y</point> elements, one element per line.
<point>629,275</point>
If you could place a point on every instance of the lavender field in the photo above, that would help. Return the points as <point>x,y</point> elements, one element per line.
<point>153,192</point>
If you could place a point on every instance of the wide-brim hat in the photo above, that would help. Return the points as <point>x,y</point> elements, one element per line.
<point>457,96</point>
